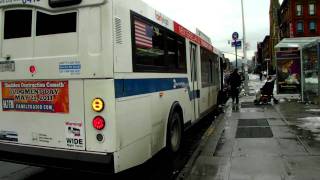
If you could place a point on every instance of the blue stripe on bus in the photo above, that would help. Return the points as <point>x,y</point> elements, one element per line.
<point>133,87</point>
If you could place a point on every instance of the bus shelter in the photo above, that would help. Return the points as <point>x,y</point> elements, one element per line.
<point>298,67</point>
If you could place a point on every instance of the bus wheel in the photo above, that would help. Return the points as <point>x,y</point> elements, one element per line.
<point>174,133</point>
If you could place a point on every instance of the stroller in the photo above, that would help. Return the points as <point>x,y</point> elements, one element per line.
<point>265,95</point>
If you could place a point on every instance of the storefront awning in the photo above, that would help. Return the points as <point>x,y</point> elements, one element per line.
<point>297,42</point>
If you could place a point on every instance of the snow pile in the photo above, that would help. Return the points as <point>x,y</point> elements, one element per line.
<point>254,77</point>
<point>310,123</point>
<point>313,110</point>
<point>312,80</point>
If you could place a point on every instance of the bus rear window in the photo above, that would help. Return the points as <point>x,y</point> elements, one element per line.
<point>56,24</point>
<point>17,24</point>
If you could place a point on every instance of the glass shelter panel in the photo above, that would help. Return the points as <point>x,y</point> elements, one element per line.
<point>311,73</point>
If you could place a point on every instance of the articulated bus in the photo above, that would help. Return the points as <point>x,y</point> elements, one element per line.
<point>107,82</point>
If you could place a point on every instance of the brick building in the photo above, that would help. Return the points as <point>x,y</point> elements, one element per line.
<point>274,29</point>
<point>266,48</point>
<point>263,53</point>
<point>259,53</point>
<point>299,18</point>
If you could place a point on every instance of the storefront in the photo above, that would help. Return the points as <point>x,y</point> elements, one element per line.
<point>298,68</point>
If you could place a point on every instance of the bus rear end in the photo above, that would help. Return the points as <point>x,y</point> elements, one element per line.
<point>57,87</point>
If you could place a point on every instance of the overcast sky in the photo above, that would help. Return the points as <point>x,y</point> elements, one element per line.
<point>219,19</point>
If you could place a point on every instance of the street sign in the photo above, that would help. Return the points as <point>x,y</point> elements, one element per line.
<point>235,36</point>
<point>237,43</point>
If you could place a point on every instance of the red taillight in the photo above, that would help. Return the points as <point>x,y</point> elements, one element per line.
<point>32,69</point>
<point>98,123</point>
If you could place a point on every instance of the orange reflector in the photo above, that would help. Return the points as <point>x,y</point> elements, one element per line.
<point>97,105</point>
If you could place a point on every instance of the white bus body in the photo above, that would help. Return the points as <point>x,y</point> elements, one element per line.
<point>57,58</point>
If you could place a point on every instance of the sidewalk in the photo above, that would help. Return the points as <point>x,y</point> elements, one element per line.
<point>278,142</point>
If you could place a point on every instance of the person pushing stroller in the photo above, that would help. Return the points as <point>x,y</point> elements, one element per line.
<point>265,94</point>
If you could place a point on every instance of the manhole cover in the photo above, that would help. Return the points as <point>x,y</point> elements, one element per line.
<point>254,132</point>
<point>253,122</point>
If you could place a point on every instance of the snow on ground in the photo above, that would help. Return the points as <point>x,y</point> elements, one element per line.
<point>310,123</point>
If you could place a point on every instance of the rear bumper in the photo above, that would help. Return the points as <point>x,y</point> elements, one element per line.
<point>37,156</point>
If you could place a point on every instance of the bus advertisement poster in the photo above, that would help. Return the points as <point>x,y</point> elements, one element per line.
<point>35,96</point>
<point>289,72</point>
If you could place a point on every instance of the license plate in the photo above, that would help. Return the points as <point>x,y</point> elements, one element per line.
<point>7,66</point>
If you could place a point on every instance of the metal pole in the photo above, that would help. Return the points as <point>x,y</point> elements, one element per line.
<point>267,68</point>
<point>302,76</point>
<point>246,87</point>
<point>235,47</point>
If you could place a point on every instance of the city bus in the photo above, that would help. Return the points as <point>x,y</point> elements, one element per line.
<point>108,83</point>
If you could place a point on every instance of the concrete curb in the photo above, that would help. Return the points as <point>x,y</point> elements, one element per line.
<point>214,130</point>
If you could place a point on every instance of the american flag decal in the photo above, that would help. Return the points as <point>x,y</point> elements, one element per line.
<point>143,34</point>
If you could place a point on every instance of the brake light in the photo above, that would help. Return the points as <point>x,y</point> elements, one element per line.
<point>32,69</point>
<point>99,123</point>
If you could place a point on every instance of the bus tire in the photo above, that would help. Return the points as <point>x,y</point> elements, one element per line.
<point>174,133</point>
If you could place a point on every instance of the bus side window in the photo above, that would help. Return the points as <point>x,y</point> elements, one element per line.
<point>176,57</point>
<point>149,45</point>
<point>156,49</point>
<point>205,67</point>
<point>182,62</point>
<point>172,52</point>
<point>211,71</point>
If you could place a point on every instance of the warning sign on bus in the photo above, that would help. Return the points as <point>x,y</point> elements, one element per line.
<point>35,96</point>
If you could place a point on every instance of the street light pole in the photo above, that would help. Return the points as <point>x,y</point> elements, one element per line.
<point>235,47</point>
<point>245,52</point>
<point>267,66</point>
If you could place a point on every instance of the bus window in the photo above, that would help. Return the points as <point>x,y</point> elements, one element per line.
<point>182,63</point>
<point>210,72</point>
<point>176,57</point>
<point>149,44</point>
<point>17,24</point>
<point>172,52</point>
<point>205,67</point>
<point>156,49</point>
<point>56,24</point>
<point>209,68</point>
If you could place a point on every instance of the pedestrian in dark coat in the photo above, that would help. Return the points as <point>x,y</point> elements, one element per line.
<point>235,83</point>
<point>260,75</point>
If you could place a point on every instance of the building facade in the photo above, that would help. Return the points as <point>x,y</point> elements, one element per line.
<point>274,29</point>
<point>266,45</point>
<point>259,53</point>
<point>299,18</point>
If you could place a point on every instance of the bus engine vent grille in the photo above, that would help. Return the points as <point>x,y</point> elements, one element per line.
<point>118,27</point>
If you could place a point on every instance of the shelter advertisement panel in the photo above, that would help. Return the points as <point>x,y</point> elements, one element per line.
<point>289,72</point>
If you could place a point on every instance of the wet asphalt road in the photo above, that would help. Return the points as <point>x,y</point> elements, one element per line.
<point>162,166</point>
